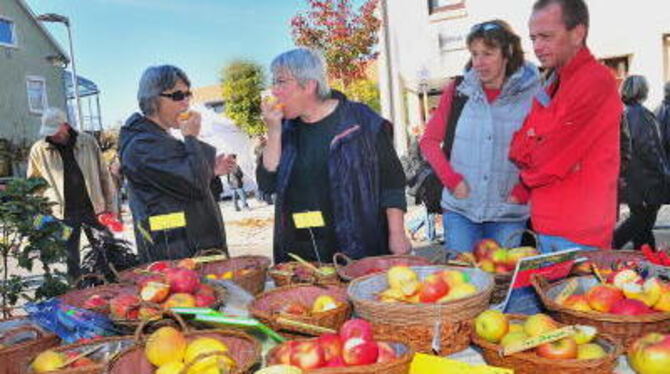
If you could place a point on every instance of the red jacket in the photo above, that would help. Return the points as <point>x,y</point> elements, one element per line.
<point>568,152</point>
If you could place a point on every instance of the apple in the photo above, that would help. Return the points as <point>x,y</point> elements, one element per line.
<point>513,337</point>
<point>283,353</point>
<point>432,289</point>
<point>625,276</point>
<point>585,334</point>
<point>155,292</point>
<point>160,278</point>
<point>491,325</point>
<point>332,346</point>
<point>590,351</point>
<point>459,292</point>
<point>307,355</point>
<point>324,303</point>
<point>650,354</point>
<point>454,277</point>
<point>501,269</point>
<point>94,301</point>
<point>514,255</point>
<point>484,248</point>
<point>499,256</point>
<point>204,300</point>
<point>630,307</point>
<point>158,266</point>
<point>357,351</point>
<point>649,292</point>
<point>577,302</point>
<point>295,308</point>
<point>663,303</point>
<point>538,324</point>
<point>121,306</point>
<point>391,295</point>
<point>356,328</point>
<point>227,275</point>
<point>147,312</point>
<point>386,352</point>
<point>513,326</point>
<point>487,265</point>
<point>180,300</point>
<point>562,349</point>
<point>337,362</point>
<point>404,279</point>
<point>602,298</point>
<point>183,280</point>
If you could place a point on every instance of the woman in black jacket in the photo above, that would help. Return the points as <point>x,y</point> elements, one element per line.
<point>645,177</point>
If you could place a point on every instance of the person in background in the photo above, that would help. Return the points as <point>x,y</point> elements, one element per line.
<point>482,195</point>
<point>333,158</point>
<point>79,183</point>
<point>663,116</point>
<point>174,211</point>
<point>236,182</point>
<point>647,173</point>
<point>414,167</point>
<point>568,148</point>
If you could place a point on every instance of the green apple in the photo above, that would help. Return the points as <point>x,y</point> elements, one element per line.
<point>491,325</point>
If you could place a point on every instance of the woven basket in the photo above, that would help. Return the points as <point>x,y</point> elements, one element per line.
<point>530,363</point>
<point>416,324</point>
<point>284,278</point>
<point>625,328</point>
<point>77,298</point>
<point>267,308</point>
<point>109,347</point>
<point>398,366</point>
<point>357,268</point>
<point>14,358</point>
<point>605,259</point>
<point>254,281</point>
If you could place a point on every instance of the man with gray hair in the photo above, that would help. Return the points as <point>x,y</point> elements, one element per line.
<point>339,183</point>
<point>78,181</point>
<point>174,211</point>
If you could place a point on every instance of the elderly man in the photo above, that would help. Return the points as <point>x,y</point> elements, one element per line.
<point>79,183</point>
<point>174,211</point>
<point>568,147</point>
<point>339,183</point>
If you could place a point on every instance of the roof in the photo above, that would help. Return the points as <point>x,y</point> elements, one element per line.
<point>207,94</point>
<point>86,86</point>
<point>41,27</point>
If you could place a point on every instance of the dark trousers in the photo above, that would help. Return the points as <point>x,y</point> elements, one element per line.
<point>78,222</point>
<point>638,227</point>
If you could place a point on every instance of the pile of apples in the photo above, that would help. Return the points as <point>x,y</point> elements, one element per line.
<point>168,349</point>
<point>50,360</point>
<point>489,256</point>
<point>230,274</point>
<point>496,327</point>
<point>440,287</point>
<point>352,346</point>
<point>650,354</point>
<point>168,286</point>
<point>303,273</point>
<point>624,293</point>
<point>322,303</point>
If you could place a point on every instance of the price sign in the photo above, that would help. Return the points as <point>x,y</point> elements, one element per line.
<point>305,220</point>
<point>167,221</point>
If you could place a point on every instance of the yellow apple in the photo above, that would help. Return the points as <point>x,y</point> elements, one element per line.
<point>538,324</point>
<point>492,325</point>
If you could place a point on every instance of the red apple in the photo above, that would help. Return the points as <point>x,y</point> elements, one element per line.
<point>307,355</point>
<point>565,348</point>
<point>484,248</point>
<point>204,300</point>
<point>602,298</point>
<point>295,308</point>
<point>356,328</point>
<point>183,280</point>
<point>94,301</point>
<point>332,346</point>
<point>158,266</point>
<point>432,289</point>
<point>357,351</point>
<point>386,352</point>
<point>630,307</point>
<point>650,354</point>
<point>337,362</point>
<point>283,353</point>
<point>122,306</point>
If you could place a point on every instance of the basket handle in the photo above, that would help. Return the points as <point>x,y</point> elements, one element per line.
<point>203,356</point>
<point>210,252</point>
<point>341,257</point>
<point>520,232</point>
<point>97,276</point>
<point>39,333</point>
<point>165,313</point>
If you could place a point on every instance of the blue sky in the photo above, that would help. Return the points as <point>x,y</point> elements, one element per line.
<point>115,40</point>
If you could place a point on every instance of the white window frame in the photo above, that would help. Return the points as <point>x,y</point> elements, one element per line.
<point>14,42</point>
<point>45,100</point>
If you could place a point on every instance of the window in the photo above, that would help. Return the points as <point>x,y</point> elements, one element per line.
<point>7,36</point>
<point>435,6</point>
<point>666,56</point>
<point>618,65</point>
<point>37,94</point>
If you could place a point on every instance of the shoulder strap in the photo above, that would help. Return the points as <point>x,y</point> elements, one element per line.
<point>457,103</point>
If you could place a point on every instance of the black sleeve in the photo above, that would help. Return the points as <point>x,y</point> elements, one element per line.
<point>266,179</point>
<point>625,145</point>
<point>392,176</point>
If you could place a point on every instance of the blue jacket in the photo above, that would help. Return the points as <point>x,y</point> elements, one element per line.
<point>354,177</point>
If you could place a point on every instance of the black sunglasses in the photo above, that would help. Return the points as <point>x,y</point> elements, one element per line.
<point>177,95</point>
<point>485,26</point>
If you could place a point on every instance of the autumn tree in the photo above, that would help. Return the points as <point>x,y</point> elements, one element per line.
<point>241,85</point>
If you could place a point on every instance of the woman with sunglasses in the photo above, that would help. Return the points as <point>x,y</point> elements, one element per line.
<point>173,209</point>
<point>482,195</point>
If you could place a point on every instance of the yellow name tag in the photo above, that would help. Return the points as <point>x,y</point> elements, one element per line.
<point>167,221</point>
<point>423,364</point>
<point>306,220</point>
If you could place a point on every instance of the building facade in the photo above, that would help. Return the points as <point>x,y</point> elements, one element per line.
<point>423,44</point>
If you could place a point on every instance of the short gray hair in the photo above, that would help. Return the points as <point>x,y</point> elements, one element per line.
<point>53,117</point>
<point>304,65</point>
<point>156,80</point>
<point>634,89</point>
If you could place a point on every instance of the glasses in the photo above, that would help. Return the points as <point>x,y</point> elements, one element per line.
<point>177,95</point>
<point>281,81</point>
<point>485,26</point>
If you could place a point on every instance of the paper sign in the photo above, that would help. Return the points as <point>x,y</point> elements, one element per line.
<point>306,220</point>
<point>567,291</point>
<point>533,342</point>
<point>423,364</point>
<point>167,221</point>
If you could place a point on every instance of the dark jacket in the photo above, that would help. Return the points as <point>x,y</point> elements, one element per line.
<point>663,116</point>
<point>167,175</point>
<point>360,221</point>
<point>646,174</point>
<point>235,178</point>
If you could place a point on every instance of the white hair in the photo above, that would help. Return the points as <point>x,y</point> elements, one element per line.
<point>53,117</point>
<point>304,65</point>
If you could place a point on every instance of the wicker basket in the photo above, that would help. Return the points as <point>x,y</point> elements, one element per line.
<point>284,278</point>
<point>357,268</point>
<point>530,363</point>
<point>78,297</point>
<point>398,366</point>
<point>267,308</point>
<point>606,259</point>
<point>14,358</point>
<point>254,281</point>
<point>417,324</point>
<point>625,328</point>
<point>109,347</point>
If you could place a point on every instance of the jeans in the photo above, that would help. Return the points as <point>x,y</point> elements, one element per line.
<point>552,243</point>
<point>239,193</point>
<point>638,227</point>
<point>425,219</point>
<point>461,234</point>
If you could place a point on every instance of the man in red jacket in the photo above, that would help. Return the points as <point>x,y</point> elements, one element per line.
<point>568,147</point>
